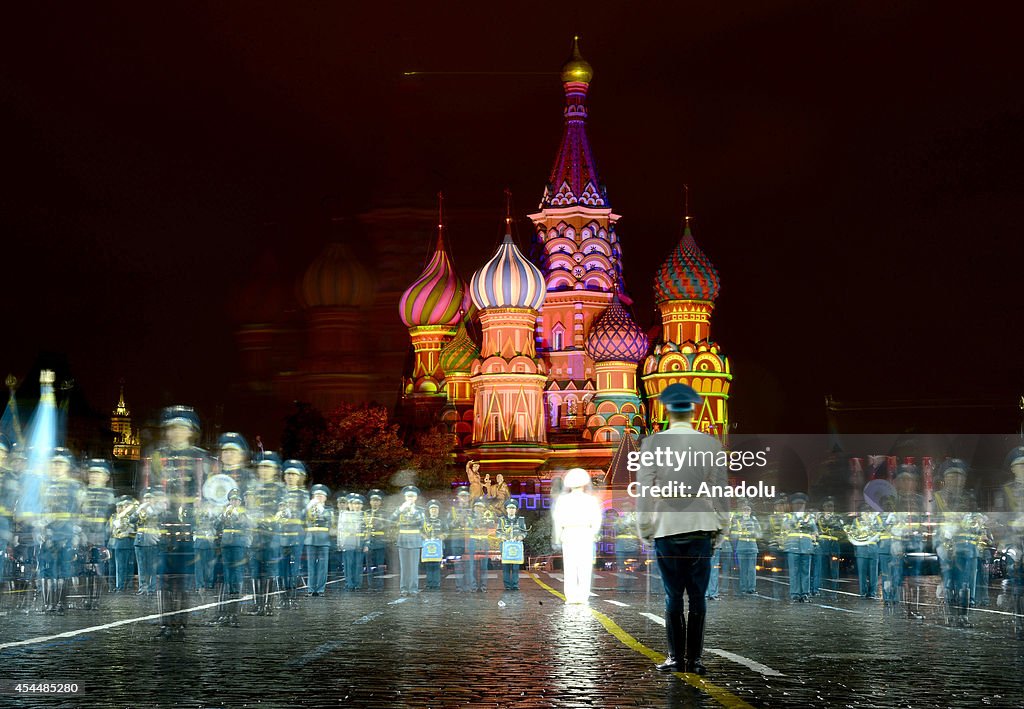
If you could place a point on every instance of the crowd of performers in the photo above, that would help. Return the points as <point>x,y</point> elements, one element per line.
<point>893,546</point>
<point>236,534</point>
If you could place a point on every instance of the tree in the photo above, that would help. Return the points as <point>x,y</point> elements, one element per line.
<point>433,459</point>
<point>360,446</point>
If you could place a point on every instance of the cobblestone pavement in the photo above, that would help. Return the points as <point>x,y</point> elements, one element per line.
<point>526,649</point>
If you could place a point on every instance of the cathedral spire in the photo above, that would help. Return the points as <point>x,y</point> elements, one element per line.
<point>574,180</point>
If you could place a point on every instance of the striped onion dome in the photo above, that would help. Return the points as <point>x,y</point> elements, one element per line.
<point>457,354</point>
<point>508,280</point>
<point>336,279</point>
<point>438,296</point>
<point>687,274</point>
<point>615,336</point>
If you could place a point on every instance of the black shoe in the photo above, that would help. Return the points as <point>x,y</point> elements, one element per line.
<point>696,667</point>
<point>670,665</point>
<point>165,632</point>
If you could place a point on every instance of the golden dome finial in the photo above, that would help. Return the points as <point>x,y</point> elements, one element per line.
<point>577,68</point>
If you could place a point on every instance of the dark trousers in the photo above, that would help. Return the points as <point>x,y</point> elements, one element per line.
<point>510,576</point>
<point>684,561</point>
<point>123,567</point>
<point>433,571</point>
<point>376,558</point>
<point>353,560</point>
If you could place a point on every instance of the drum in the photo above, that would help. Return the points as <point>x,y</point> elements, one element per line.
<point>511,552</point>
<point>432,551</point>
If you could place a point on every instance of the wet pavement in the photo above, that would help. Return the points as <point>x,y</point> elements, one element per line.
<point>525,649</point>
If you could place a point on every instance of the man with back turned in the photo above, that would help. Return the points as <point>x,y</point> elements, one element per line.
<point>684,528</point>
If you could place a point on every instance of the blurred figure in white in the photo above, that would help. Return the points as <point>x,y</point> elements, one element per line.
<point>576,523</point>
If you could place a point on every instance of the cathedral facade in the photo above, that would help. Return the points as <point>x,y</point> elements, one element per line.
<point>533,363</point>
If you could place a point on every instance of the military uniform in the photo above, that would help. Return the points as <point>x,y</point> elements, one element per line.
<point>179,468</point>
<point>864,532</point>
<point>205,541</point>
<point>8,502</point>
<point>408,519</point>
<point>627,546</point>
<point>319,519</point>
<point>956,548</point>
<point>744,531</point>
<point>482,529</point>
<point>801,532</point>
<point>146,522</point>
<point>353,541</point>
<point>434,528</point>
<point>511,528</point>
<point>122,536</point>
<point>830,536</point>
<point>62,499</point>
<point>460,541</point>
<point>777,541</point>
<point>377,528</point>
<point>234,530</point>
<point>262,503</point>
<point>296,497</point>
<point>96,508</point>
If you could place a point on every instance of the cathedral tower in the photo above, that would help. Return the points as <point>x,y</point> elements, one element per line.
<point>616,344</point>
<point>685,289</point>
<point>579,256</point>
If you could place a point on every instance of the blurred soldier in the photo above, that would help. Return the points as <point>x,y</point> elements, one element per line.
<point>62,499</point>
<point>234,461</point>
<point>319,520</point>
<point>262,503</point>
<point>205,534</point>
<point>721,566</point>
<point>864,532</point>
<point>957,554</point>
<point>1011,527</point>
<point>409,520</point>
<point>8,501</point>
<point>511,528</point>
<point>296,497</point>
<point>890,555</point>
<point>122,535</point>
<point>800,533</point>
<point>985,543</point>
<point>460,542</point>
<point>575,526</point>
<point>434,529</point>
<point>777,539</point>
<point>96,508</point>
<point>830,532</point>
<point>179,468</point>
<point>353,542</point>
<point>627,543</point>
<point>376,526</point>
<point>910,517</point>
<point>234,528</point>
<point>482,522</point>
<point>145,519</point>
<point>744,531</point>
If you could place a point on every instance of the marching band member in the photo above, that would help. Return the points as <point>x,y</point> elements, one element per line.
<point>234,460</point>
<point>956,551</point>
<point>744,531</point>
<point>62,499</point>
<point>864,532</point>
<point>409,520</point>
<point>482,523</point>
<point>511,528</point>
<point>122,535</point>
<point>627,543</point>
<point>96,507</point>
<point>296,497</point>
<point>353,542</point>
<point>235,531</point>
<point>146,522</point>
<point>460,541</point>
<point>319,520</point>
<point>8,501</point>
<point>830,535</point>
<point>777,538</point>
<point>262,503</point>
<point>376,526</point>
<point>434,528</point>
<point>800,534</point>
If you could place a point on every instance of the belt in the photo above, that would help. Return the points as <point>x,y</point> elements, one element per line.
<point>626,536</point>
<point>378,534</point>
<point>479,536</point>
<point>148,530</point>
<point>800,534</point>
<point>408,531</point>
<point>317,529</point>
<point>233,531</point>
<point>828,536</point>
<point>747,539</point>
<point>703,534</point>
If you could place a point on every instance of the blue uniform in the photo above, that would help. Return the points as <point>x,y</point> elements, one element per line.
<point>122,539</point>
<point>319,520</point>
<point>864,533</point>
<point>801,530</point>
<point>377,528</point>
<point>352,540</point>
<point>511,529</point>
<point>744,531</point>
<point>461,544</point>
<point>434,528</point>
<point>292,533</point>
<point>409,541</point>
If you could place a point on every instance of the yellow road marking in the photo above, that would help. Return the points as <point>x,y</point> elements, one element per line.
<point>722,696</point>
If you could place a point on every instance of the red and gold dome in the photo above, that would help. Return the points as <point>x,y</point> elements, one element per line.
<point>687,274</point>
<point>614,336</point>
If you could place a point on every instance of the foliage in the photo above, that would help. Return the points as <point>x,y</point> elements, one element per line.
<point>433,459</point>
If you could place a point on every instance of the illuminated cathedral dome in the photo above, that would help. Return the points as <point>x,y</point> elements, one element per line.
<point>336,279</point>
<point>614,336</point>
<point>438,296</point>
<point>577,68</point>
<point>508,280</point>
<point>457,355</point>
<point>687,274</point>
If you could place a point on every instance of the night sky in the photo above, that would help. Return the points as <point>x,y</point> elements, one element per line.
<point>855,173</point>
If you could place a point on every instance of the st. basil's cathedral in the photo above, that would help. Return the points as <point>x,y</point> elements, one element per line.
<point>533,364</point>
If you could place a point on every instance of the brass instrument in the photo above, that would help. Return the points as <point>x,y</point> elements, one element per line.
<point>861,535</point>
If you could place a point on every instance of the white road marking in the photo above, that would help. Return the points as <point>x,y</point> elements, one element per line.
<point>746,662</point>
<point>403,599</point>
<point>836,608</point>
<point>617,603</point>
<point>117,624</point>
<point>739,659</point>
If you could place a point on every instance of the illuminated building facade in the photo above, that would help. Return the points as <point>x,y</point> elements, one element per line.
<point>126,439</point>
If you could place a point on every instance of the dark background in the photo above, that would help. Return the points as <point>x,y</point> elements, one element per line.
<point>855,174</point>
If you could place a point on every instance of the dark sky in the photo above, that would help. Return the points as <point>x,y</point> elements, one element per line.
<point>855,173</point>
